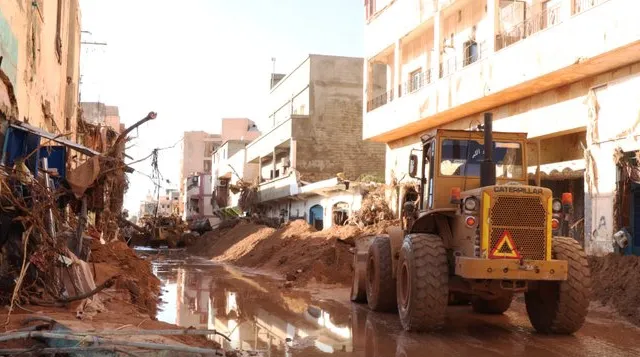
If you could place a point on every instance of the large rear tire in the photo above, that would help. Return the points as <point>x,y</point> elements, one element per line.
<point>492,307</point>
<point>561,306</point>
<point>380,281</point>
<point>423,283</point>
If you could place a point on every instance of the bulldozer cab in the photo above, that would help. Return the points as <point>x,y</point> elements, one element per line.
<point>451,160</point>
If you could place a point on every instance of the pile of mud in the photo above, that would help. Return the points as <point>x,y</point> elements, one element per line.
<point>136,275</point>
<point>616,282</point>
<point>296,250</point>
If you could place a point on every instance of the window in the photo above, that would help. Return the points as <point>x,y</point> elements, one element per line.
<point>470,52</point>
<point>416,80</point>
<point>463,158</point>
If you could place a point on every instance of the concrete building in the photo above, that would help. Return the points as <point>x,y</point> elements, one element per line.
<point>243,129</point>
<point>561,70</point>
<point>197,198</point>
<point>101,114</point>
<point>197,148</point>
<point>147,207</point>
<point>40,63</point>
<point>168,203</point>
<point>315,133</point>
<point>230,166</point>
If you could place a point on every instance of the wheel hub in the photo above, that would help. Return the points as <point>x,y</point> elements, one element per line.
<point>405,285</point>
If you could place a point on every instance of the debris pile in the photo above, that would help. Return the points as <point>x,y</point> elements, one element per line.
<point>296,250</point>
<point>616,282</point>
<point>374,208</point>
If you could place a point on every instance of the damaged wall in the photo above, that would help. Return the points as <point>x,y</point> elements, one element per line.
<point>331,140</point>
<point>40,49</point>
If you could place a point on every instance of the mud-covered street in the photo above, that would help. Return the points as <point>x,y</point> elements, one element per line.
<point>259,314</point>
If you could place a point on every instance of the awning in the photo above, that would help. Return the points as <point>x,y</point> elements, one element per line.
<point>56,138</point>
<point>564,170</point>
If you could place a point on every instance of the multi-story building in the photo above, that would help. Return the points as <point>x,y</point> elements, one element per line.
<point>169,202</point>
<point>239,129</point>
<point>555,69</point>
<point>315,129</point>
<point>101,114</point>
<point>197,198</point>
<point>148,207</point>
<point>40,63</point>
<point>230,166</point>
<point>197,148</point>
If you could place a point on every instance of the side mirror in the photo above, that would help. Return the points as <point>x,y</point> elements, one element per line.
<point>413,165</point>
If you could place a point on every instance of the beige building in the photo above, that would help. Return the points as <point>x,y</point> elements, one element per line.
<point>315,117</point>
<point>101,114</point>
<point>555,69</point>
<point>197,148</point>
<point>39,67</point>
<point>239,129</point>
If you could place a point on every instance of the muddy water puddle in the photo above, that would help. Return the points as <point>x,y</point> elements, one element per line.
<point>258,314</point>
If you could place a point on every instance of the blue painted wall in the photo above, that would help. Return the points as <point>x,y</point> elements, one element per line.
<point>8,50</point>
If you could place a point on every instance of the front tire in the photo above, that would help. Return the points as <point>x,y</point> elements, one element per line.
<point>561,306</point>
<point>380,281</point>
<point>423,283</point>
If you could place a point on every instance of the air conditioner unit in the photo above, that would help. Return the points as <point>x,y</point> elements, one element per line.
<point>285,162</point>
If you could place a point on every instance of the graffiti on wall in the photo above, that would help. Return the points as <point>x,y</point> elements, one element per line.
<point>600,233</point>
<point>8,50</point>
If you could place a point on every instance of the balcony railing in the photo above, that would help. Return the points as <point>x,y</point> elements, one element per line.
<point>538,22</point>
<point>583,5</point>
<point>472,52</point>
<point>380,100</point>
<point>416,82</point>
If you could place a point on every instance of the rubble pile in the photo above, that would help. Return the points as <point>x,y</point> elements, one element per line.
<point>296,250</point>
<point>616,282</point>
<point>134,275</point>
<point>374,208</point>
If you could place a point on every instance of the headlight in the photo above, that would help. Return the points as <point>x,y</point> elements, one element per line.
<point>556,205</point>
<point>470,204</point>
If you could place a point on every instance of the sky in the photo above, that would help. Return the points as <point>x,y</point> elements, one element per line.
<point>197,61</point>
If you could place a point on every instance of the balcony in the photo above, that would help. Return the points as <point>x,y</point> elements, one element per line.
<point>595,39</point>
<point>280,133</point>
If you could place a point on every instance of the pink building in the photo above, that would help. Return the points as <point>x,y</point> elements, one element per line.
<point>239,129</point>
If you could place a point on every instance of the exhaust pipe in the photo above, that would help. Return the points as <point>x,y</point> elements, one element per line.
<point>487,166</point>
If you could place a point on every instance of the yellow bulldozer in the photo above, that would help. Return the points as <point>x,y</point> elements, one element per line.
<point>478,233</point>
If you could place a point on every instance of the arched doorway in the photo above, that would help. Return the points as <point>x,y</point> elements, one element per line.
<point>316,214</point>
<point>340,213</point>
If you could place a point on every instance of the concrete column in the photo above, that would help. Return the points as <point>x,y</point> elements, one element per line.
<point>438,28</point>
<point>397,68</point>
<point>259,169</point>
<point>274,163</point>
<point>566,9</point>
<point>292,153</point>
<point>493,26</point>
<point>367,88</point>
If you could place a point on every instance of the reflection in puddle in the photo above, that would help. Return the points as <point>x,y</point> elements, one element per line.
<point>255,318</point>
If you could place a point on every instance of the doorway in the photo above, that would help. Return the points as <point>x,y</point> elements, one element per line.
<point>316,214</point>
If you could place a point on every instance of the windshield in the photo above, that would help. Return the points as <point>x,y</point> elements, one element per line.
<point>463,158</point>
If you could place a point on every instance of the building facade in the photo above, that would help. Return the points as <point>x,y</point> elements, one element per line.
<point>197,148</point>
<point>315,133</point>
<point>101,114</point>
<point>243,129</point>
<point>197,198</point>
<point>553,69</point>
<point>168,204</point>
<point>40,63</point>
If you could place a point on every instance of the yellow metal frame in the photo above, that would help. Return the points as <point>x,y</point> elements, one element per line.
<point>510,269</point>
<point>486,204</point>
<point>549,234</point>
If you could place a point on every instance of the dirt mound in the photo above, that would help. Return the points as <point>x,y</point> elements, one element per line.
<point>136,273</point>
<point>296,250</point>
<point>616,282</point>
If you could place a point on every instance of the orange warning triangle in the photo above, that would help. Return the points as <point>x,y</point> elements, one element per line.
<point>505,248</point>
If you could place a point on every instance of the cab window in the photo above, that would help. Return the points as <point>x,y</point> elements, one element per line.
<point>463,158</point>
